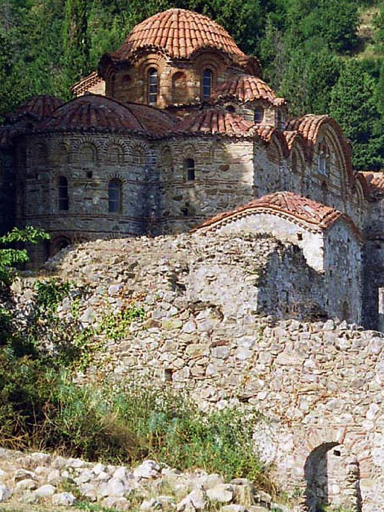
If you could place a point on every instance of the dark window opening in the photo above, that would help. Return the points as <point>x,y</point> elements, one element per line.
<point>63,194</point>
<point>114,196</point>
<point>231,109</point>
<point>207,83</point>
<point>152,86</point>
<point>258,115</point>
<point>299,236</point>
<point>189,165</point>
<point>89,174</point>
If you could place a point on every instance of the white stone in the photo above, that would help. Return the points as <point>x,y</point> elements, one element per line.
<point>196,500</point>
<point>65,499</point>
<point>45,491</point>
<point>116,503</point>
<point>5,493</point>
<point>233,508</point>
<point>99,468</point>
<point>223,493</point>
<point>148,469</point>
<point>116,487</point>
<point>26,485</point>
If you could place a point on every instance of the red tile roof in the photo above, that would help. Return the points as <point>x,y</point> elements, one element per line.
<point>298,208</point>
<point>244,88</point>
<point>178,33</point>
<point>216,121</point>
<point>85,83</point>
<point>309,127</point>
<point>96,112</point>
<point>155,121</point>
<point>39,106</point>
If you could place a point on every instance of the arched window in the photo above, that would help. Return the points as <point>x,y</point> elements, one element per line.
<point>322,159</point>
<point>258,115</point>
<point>189,166</point>
<point>63,194</point>
<point>152,86</point>
<point>207,83</point>
<point>114,196</point>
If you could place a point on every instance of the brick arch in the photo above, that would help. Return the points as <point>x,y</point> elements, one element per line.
<point>116,176</point>
<point>83,142</point>
<point>139,153</point>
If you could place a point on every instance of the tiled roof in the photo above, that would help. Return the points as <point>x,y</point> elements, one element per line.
<point>296,207</point>
<point>265,132</point>
<point>216,121</point>
<point>85,83</point>
<point>309,127</point>
<point>178,33</point>
<point>92,111</point>
<point>292,136</point>
<point>244,88</point>
<point>375,182</point>
<point>155,121</point>
<point>39,106</point>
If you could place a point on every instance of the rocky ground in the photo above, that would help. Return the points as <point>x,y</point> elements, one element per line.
<point>38,480</point>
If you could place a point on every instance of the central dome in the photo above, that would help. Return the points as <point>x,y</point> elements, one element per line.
<point>179,33</point>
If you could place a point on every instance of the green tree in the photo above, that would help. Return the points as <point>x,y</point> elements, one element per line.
<point>353,106</point>
<point>75,41</point>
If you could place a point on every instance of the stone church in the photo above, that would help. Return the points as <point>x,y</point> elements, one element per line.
<point>177,130</point>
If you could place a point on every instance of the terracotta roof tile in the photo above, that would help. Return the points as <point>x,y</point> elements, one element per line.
<point>216,121</point>
<point>179,33</point>
<point>39,106</point>
<point>244,88</point>
<point>93,111</point>
<point>299,208</point>
<point>85,83</point>
<point>155,121</point>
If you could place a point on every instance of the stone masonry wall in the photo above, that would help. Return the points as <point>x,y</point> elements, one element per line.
<point>319,385</point>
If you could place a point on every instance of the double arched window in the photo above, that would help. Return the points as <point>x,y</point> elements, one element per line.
<point>207,83</point>
<point>63,193</point>
<point>153,86</point>
<point>114,196</point>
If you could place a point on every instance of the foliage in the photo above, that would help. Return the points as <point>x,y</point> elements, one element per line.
<point>353,106</point>
<point>39,407</point>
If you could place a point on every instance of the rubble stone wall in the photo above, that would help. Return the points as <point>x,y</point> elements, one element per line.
<point>318,385</point>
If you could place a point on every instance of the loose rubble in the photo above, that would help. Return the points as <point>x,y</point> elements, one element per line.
<point>26,477</point>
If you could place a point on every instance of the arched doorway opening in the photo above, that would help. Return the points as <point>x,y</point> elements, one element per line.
<point>58,244</point>
<point>332,479</point>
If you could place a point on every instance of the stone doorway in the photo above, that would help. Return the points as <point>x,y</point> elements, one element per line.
<point>332,479</point>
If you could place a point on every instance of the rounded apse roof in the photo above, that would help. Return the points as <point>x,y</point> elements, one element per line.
<point>179,33</point>
<point>92,111</point>
<point>39,106</point>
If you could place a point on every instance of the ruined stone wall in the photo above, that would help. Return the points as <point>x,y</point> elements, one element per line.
<point>318,385</point>
<point>344,272</point>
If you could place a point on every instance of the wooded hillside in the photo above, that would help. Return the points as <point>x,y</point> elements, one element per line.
<point>324,56</point>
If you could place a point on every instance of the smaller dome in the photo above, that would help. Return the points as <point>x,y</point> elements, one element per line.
<point>216,121</point>
<point>39,106</point>
<point>244,88</point>
<point>92,111</point>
